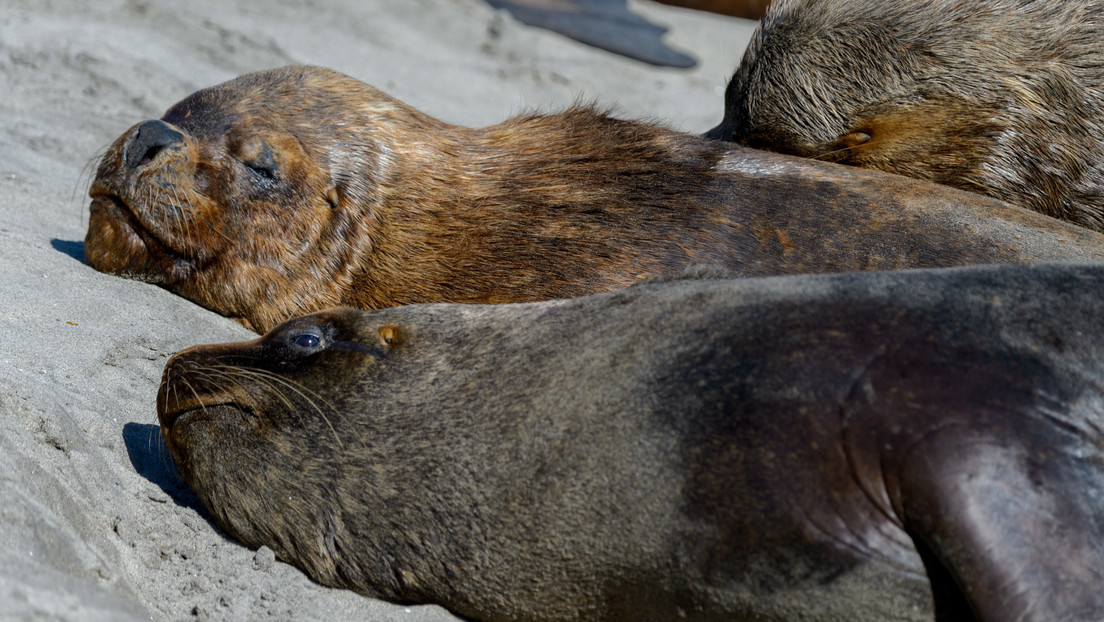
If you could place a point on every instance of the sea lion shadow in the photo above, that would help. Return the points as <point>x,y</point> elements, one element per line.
<point>150,458</point>
<point>73,248</point>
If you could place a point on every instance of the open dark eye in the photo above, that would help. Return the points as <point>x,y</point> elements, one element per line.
<point>296,345</point>
<point>307,341</point>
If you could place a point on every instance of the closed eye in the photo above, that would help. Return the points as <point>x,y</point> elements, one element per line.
<point>259,159</point>
<point>263,166</point>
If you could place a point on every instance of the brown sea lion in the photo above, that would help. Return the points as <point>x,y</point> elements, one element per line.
<point>288,191</point>
<point>868,446</point>
<point>1000,97</point>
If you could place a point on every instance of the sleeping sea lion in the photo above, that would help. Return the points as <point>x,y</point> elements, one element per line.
<point>1000,97</point>
<point>288,191</point>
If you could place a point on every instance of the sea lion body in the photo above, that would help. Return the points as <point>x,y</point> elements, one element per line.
<point>869,446</point>
<point>999,97</point>
<point>289,191</point>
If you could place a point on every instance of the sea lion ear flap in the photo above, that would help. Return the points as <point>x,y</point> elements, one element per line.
<point>332,197</point>
<point>391,336</point>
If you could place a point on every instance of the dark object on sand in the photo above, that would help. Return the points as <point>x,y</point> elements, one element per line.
<point>605,24</point>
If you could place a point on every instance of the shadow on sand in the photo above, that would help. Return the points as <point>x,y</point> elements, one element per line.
<point>150,458</point>
<point>73,248</point>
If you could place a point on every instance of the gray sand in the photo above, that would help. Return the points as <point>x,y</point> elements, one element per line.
<point>94,524</point>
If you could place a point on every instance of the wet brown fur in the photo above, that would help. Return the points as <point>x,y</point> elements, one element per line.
<point>999,97</point>
<point>297,189</point>
<point>908,445</point>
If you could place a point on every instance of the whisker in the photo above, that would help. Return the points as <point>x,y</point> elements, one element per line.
<point>246,379</point>
<point>306,394</point>
<point>822,156</point>
<point>176,214</point>
<point>199,399</point>
<point>227,373</point>
<point>197,217</point>
<point>168,383</point>
<point>234,357</point>
<point>85,178</point>
<point>275,389</point>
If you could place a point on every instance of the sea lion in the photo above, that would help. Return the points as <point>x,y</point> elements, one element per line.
<point>867,446</point>
<point>1000,97</point>
<point>288,191</point>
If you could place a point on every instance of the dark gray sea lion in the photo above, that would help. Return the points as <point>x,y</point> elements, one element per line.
<point>288,191</point>
<point>1000,97</point>
<point>878,446</point>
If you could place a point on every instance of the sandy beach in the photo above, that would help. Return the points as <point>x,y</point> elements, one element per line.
<point>94,523</point>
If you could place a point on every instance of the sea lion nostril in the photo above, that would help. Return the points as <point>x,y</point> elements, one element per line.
<point>149,139</point>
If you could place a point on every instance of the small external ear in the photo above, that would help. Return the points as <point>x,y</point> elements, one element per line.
<point>391,335</point>
<point>854,139</point>
<point>331,196</point>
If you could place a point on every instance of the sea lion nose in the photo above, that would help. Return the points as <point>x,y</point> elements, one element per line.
<point>149,139</point>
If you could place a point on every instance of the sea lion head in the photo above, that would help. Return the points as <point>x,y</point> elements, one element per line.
<point>860,86</point>
<point>258,428</point>
<point>992,97</point>
<point>251,197</point>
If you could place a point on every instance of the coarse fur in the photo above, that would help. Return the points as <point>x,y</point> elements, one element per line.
<point>1000,97</point>
<point>872,446</point>
<point>288,191</point>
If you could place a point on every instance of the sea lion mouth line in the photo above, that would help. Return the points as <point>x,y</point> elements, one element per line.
<point>176,418</point>
<point>122,209</point>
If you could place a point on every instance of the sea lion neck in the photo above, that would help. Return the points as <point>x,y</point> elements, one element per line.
<point>546,206</point>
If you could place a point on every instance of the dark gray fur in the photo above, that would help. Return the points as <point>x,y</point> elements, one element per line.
<point>878,446</point>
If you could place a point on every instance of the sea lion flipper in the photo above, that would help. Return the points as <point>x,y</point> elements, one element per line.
<point>1008,531</point>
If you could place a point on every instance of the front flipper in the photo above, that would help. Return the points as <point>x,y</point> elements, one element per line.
<point>1010,516</point>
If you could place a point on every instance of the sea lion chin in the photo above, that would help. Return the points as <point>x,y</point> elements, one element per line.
<point>910,445</point>
<point>288,191</point>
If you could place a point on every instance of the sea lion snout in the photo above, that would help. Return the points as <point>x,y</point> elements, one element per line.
<point>203,376</point>
<point>148,140</point>
<point>195,379</point>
